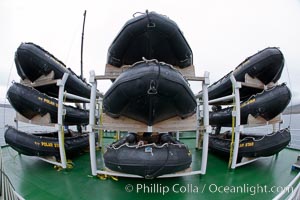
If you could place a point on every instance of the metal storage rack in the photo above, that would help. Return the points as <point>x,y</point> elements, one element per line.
<point>238,128</point>
<point>126,124</point>
<point>45,121</point>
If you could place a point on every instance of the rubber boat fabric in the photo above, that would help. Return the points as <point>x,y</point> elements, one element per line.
<point>267,105</point>
<point>33,62</point>
<point>265,66</point>
<point>30,103</point>
<point>149,157</point>
<point>45,143</point>
<point>153,36</point>
<point>250,145</point>
<point>150,92</point>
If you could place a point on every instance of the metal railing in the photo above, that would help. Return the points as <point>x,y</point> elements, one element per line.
<point>295,183</point>
<point>7,191</point>
<point>295,142</point>
<point>295,195</point>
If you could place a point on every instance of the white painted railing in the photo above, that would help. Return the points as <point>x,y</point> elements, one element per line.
<point>295,184</point>
<point>7,191</point>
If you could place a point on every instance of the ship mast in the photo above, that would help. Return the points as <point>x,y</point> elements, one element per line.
<point>82,37</point>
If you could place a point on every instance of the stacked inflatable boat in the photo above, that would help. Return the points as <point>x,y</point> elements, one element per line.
<point>150,50</point>
<point>151,90</point>
<point>262,103</point>
<point>33,100</point>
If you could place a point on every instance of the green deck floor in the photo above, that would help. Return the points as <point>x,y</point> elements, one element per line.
<point>36,180</point>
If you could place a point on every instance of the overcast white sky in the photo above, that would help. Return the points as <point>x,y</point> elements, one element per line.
<point>221,33</point>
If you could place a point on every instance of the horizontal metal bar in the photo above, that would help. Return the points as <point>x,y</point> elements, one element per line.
<point>181,174</point>
<point>75,97</point>
<point>221,99</point>
<point>294,129</point>
<point>137,176</point>
<point>49,161</point>
<point>249,161</point>
<point>118,174</point>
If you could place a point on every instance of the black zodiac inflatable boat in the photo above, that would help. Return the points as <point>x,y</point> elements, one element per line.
<point>149,92</point>
<point>30,103</point>
<point>267,104</point>
<point>32,62</point>
<point>45,144</point>
<point>152,36</point>
<point>251,145</point>
<point>147,159</point>
<point>266,66</point>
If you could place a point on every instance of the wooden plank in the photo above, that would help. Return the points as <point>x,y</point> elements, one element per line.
<point>259,121</point>
<point>114,76</point>
<point>37,120</point>
<point>187,71</point>
<point>255,83</point>
<point>108,171</point>
<point>104,77</point>
<point>252,82</point>
<point>42,80</point>
<point>195,78</point>
<point>116,71</point>
<point>127,124</point>
<point>176,124</point>
<point>111,70</point>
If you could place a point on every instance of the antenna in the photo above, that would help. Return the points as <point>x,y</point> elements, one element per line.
<point>82,37</point>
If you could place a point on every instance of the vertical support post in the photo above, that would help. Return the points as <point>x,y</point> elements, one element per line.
<point>149,129</point>
<point>118,135</point>
<point>238,127</point>
<point>207,127</point>
<point>100,132</point>
<point>273,127</point>
<point>60,113</point>
<point>199,115</point>
<point>17,123</point>
<point>93,82</point>
<point>177,135</point>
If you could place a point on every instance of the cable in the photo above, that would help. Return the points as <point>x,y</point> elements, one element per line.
<point>291,106</point>
<point>4,107</point>
<point>154,175</point>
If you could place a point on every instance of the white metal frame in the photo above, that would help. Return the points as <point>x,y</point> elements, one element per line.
<point>60,112</point>
<point>238,128</point>
<point>205,114</point>
<point>59,125</point>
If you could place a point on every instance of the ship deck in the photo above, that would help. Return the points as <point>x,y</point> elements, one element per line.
<point>34,179</point>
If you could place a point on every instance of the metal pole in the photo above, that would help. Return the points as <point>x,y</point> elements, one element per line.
<point>72,96</point>
<point>198,117</point>
<point>290,185</point>
<point>206,123</point>
<point>177,135</point>
<point>229,97</point>
<point>238,127</point>
<point>82,37</point>
<point>92,123</point>
<point>60,113</point>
